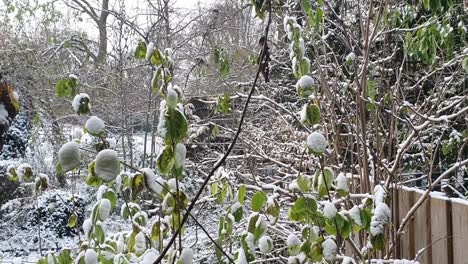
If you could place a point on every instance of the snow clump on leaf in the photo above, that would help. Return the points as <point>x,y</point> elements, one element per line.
<point>91,257</point>
<point>81,103</point>
<point>154,183</point>
<point>329,249</point>
<point>180,153</point>
<point>317,142</point>
<point>104,209</point>
<point>107,165</point>
<point>172,98</point>
<point>265,244</point>
<point>186,257</point>
<point>95,126</point>
<point>329,210</point>
<point>305,83</point>
<point>294,244</point>
<point>69,156</point>
<point>149,51</point>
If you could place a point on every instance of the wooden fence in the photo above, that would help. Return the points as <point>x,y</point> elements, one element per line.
<point>439,226</point>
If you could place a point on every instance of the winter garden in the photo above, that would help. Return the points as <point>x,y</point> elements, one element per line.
<point>235,131</point>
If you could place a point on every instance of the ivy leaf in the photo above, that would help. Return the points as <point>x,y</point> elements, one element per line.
<point>138,184</point>
<point>378,242</point>
<point>156,58</point>
<point>312,115</point>
<point>316,254</point>
<point>258,200</point>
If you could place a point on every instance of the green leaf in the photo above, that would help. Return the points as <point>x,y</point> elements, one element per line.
<point>138,184</point>
<point>223,104</point>
<point>111,196</point>
<point>177,127</point>
<point>72,220</point>
<point>241,194</point>
<point>258,6</point>
<point>252,222</point>
<point>378,242</point>
<point>238,213</point>
<point>93,179</point>
<point>156,58</point>
<point>66,88</point>
<point>273,211</point>
<point>222,194</point>
<point>65,257</point>
<point>215,131</point>
<point>140,51</point>
<point>303,183</point>
<point>312,115</point>
<point>366,217</point>
<point>258,200</point>
<point>166,160</point>
<point>303,210</point>
<point>316,254</point>
<point>218,252</point>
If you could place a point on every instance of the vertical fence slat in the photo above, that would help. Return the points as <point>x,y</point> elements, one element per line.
<point>421,230</point>
<point>439,231</point>
<point>460,233</point>
<point>404,203</point>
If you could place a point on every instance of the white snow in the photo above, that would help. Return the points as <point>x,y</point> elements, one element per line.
<point>250,241</point>
<point>186,257</point>
<point>294,244</point>
<point>329,210</point>
<point>305,82</point>
<point>379,194</point>
<point>22,170</point>
<point>380,218</point>
<point>91,257</point>
<point>149,51</point>
<point>351,57</point>
<point>73,76</point>
<point>140,243</point>
<point>95,125</point>
<point>69,156</point>
<point>107,165</point>
<point>300,258</point>
<point>154,183</point>
<point>171,98</point>
<point>4,119</point>
<point>303,114</point>
<point>104,209</point>
<point>265,244</point>
<point>162,129</point>
<point>329,249</point>
<point>101,190</point>
<point>241,258</point>
<point>78,100</point>
<point>317,142</point>
<point>77,133</point>
<point>149,256</point>
<point>348,260</point>
<point>180,153</point>
<point>87,227</point>
<point>355,214</point>
<point>342,182</point>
